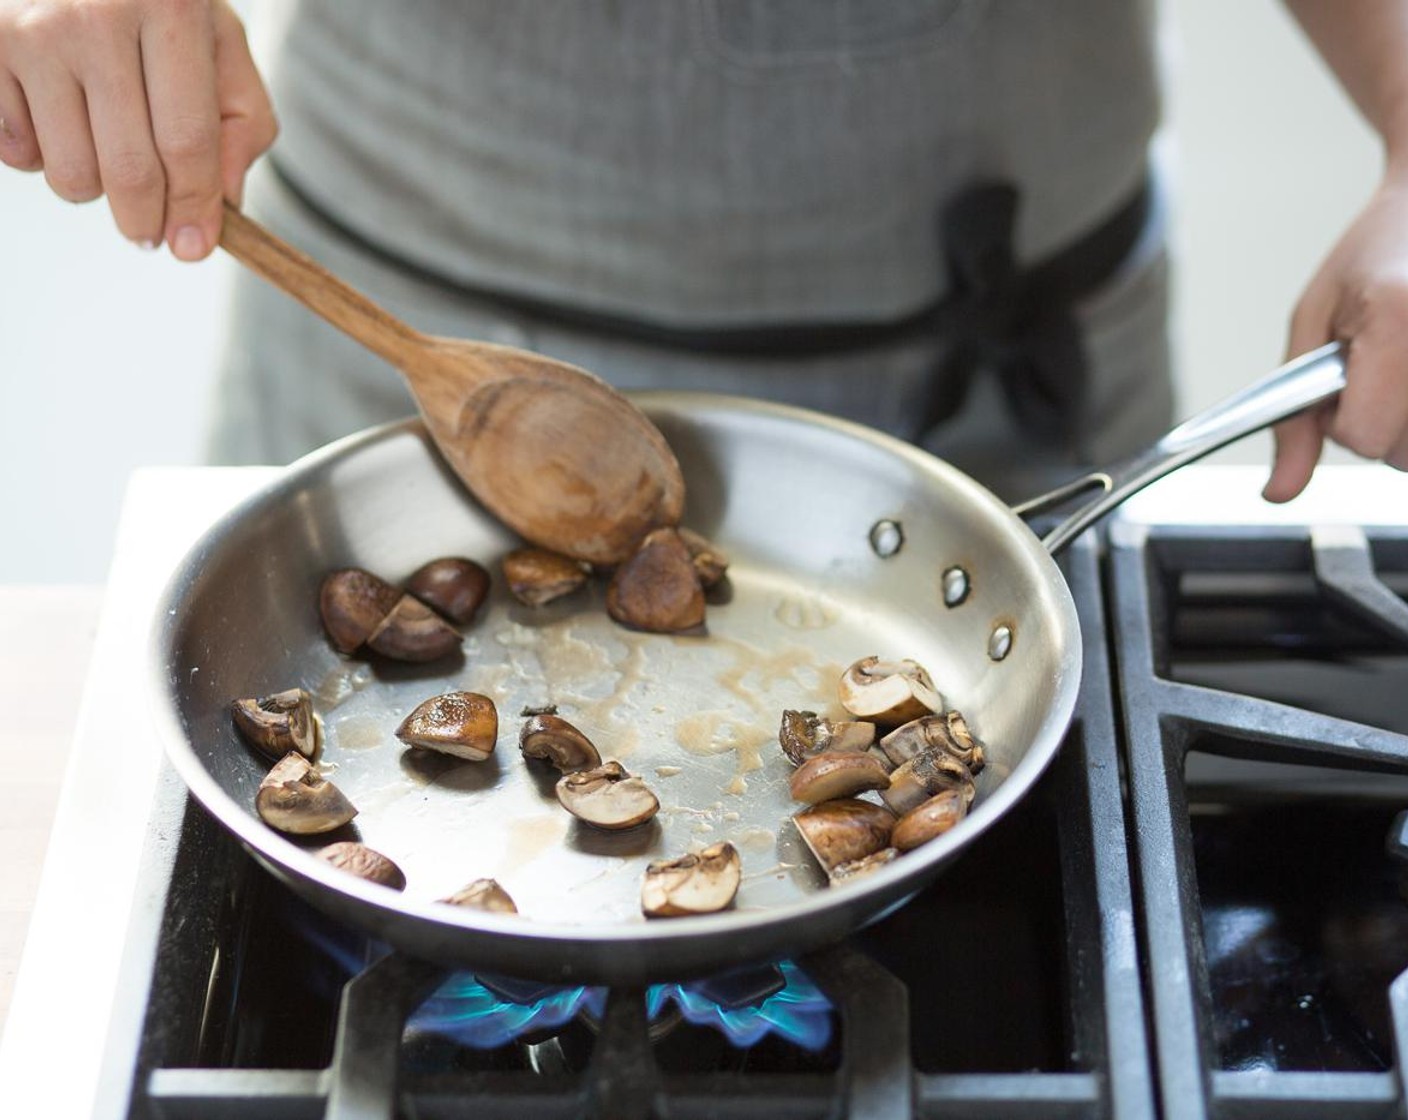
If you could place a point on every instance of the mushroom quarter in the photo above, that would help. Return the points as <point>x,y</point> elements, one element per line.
<point>834,774</point>
<point>413,632</point>
<point>657,588</point>
<point>607,797</point>
<point>549,736</point>
<point>805,734</point>
<point>699,883</point>
<point>451,585</point>
<point>933,818</point>
<point>536,577</point>
<point>927,775</point>
<point>888,692</point>
<point>483,894</point>
<point>279,723</point>
<point>365,863</point>
<point>295,798</point>
<point>948,732</point>
<point>841,831</point>
<point>463,724</point>
<point>353,603</point>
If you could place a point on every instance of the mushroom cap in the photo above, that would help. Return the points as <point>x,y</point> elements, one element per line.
<point>295,798</point>
<point>483,894</point>
<point>413,632</point>
<point>698,883</point>
<point>551,737</point>
<point>536,576</point>
<point>607,797</point>
<point>452,585</point>
<point>834,774</point>
<point>841,831</point>
<point>464,724</point>
<point>353,603</point>
<point>279,723</point>
<point>357,859</point>
<point>656,589</point>
<point>927,775</point>
<point>933,818</point>
<point>888,692</point>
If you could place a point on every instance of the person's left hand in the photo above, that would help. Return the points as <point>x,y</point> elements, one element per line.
<point>1359,296</point>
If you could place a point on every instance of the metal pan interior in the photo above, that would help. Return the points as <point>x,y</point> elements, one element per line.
<point>792,498</point>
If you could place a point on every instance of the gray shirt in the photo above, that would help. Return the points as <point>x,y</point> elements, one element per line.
<point>710,162</point>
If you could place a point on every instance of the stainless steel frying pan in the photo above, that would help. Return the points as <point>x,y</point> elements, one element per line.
<point>844,543</point>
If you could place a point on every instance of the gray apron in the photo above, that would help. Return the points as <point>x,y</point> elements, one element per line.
<point>703,166</point>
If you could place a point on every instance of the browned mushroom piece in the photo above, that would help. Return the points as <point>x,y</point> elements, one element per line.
<point>413,632</point>
<point>698,883</point>
<point>806,734</point>
<point>282,722</point>
<point>551,737</point>
<point>888,692</point>
<point>607,797</point>
<point>536,576</point>
<point>838,832</point>
<point>657,589</point>
<point>452,585</point>
<point>295,798</point>
<point>948,732</point>
<point>930,819</point>
<point>353,603</point>
<point>710,561</point>
<point>483,894</point>
<point>464,724</point>
<point>834,774</point>
<point>855,869</point>
<point>361,861</point>
<point>927,775</point>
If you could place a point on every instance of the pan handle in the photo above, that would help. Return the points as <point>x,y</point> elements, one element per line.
<point>1297,385</point>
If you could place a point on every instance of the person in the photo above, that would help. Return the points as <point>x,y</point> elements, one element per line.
<point>936,217</point>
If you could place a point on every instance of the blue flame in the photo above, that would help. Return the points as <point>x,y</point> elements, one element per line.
<point>465,1010</point>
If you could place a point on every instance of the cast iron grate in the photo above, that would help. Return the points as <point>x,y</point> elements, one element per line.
<point>1333,595</point>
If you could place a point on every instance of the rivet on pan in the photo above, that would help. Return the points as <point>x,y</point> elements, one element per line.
<point>956,586</point>
<point>1000,642</point>
<point>886,538</point>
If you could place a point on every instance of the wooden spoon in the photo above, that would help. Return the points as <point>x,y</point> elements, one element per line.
<point>551,450</point>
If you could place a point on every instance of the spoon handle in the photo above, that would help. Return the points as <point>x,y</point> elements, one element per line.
<point>319,290</point>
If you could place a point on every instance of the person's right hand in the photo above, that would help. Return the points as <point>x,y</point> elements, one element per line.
<point>155,103</point>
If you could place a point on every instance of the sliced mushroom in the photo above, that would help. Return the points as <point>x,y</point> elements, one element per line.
<point>451,585</point>
<point>357,859</point>
<point>933,818</point>
<point>294,797</point>
<point>607,797</point>
<point>710,562</point>
<point>948,732</point>
<point>464,724</point>
<point>859,868</point>
<point>280,723</point>
<point>838,832</point>
<point>657,589</point>
<point>413,632</point>
<point>353,603</point>
<point>924,776</point>
<point>888,692</point>
<point>553,738</point>
<point>698,883</point>
<point>834,774</point>
<point>483,894</point>
<point>536,576</point>
<point>805,734</point>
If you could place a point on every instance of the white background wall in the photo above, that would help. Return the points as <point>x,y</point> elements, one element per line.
<point>106,353</point>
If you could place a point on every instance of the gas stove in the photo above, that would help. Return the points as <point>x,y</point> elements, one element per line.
<point>1199,912</point>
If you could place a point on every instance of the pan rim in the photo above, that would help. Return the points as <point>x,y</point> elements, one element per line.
<point>877,894</point>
